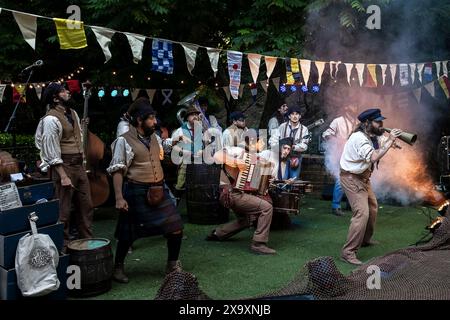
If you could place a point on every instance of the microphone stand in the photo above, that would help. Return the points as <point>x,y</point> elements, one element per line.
<point>12,120</point>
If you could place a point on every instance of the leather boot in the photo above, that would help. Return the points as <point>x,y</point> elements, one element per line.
<point>261,248</point>
<point>119,274</point>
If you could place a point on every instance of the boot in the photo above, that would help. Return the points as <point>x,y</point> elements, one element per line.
<point>261,248</point>
<point>337,212</point>
<point>119,274</point>
<point>173,266</point>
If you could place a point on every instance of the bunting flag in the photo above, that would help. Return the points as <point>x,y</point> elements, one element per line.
<point>254,61</point>
<point>438,68</point>
<point>213,55</point>
<point>333,69</point>
<point>393,68</point>
<point>320,68</point>
<point>360,69</point>
<point>254,91</point>
<point>134,93</point>
<point>137,45</point>
<point>276,83</point>
<point>306,69</point>
<point>404,74</point>
<point>72,37</point>
<point>2,91</point>
<point>190,51</point>
<point>104,37</point>
<point>162,56</point>
<point>383,72</point>
<point>28,26</point>
<point>270,65</point>
<point>418,93</point>
<point>292,71</point>
<point>413,72</point>
<point>234,59</point>
<point>372,75</point>
<point>420,67</point>
<point>73,86</point>
<point>18,91</point>
<point>38,91</point>
<point>348,68</point>
<point>265,84</point>
<point>428,72</point>
<point>151,94</point>
<point>166,93</point>
<point>445,85</point>
<point>430,88</point>
<point>444,65</point>
<point>227,92</point>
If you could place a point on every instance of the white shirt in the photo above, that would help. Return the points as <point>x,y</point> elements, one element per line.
<point>230,133</point>
<point>357,153</point>
<point>341,128</point>
<point>47,139</point>
<point>284,130</point>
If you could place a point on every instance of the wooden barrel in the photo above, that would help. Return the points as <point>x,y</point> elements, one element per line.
<point>202,194</point>
<point>95,259</point>
<point>8,165</point>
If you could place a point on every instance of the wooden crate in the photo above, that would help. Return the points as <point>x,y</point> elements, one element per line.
<point>10,291</point>
<point>8,244</point>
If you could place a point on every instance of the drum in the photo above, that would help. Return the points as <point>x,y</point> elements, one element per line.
<point>286,200</point>
<point>95,259</point>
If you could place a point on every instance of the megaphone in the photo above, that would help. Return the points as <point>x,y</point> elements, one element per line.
<point>407,137</point>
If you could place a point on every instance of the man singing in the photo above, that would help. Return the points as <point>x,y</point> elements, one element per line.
<point>362,150</point>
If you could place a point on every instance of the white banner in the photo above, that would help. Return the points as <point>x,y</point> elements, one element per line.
<point>136,42</point>
<point>190,51</point>
<point>213,55</point>
<point>28,26</point>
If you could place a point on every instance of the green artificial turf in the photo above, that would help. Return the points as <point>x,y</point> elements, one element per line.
<point>228,270</point>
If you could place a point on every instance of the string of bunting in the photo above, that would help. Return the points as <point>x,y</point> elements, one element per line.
<point>71,35</point>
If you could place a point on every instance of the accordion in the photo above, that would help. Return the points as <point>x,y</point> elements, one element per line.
<point>255,177</point>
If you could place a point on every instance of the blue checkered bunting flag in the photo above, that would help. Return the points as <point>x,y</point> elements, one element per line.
<point>162,56</point>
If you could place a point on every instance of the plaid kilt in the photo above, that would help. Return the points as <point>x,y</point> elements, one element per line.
<point>142,220</point>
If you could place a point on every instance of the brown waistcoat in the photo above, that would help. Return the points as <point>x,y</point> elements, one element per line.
<point>71,142</point>
<point>146,165</point>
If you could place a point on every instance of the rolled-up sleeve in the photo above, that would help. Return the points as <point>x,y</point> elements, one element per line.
<point>48,138</point>
<point>365,150</point>
<point>302,145</point>
<point>122,156</point>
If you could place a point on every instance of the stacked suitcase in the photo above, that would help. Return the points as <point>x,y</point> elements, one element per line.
<point>14,224</point>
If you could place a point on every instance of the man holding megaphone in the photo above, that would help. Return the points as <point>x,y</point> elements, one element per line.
<point>363,149</point>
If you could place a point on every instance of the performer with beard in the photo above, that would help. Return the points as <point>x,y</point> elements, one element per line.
<point>363,149</point>
<point>59,139</point>
<point>145,204</point>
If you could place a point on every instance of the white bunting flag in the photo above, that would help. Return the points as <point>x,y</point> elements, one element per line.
<point>213,55</point>
<point>383,72</point>
<point>413,72</point>
<point>444,65</point>
<point>430,88</point>
<point>306,69</point>
<point>420,67</point>
<point>38,91</point>
<point>438,68</point>
<point>360,69</point>
<point>270,65</point>
<point>404,74</point>
<point>348,68</point>
<point>418,94</point>
<point>234,59</point>
<point>136,42</point>
<point>2,91</point>
<point>104,37</point>
<point>393,68</point>
<point>265,84</point>
<point>134,93</point>
<point>254,61</point>
<point>151,94</point>
<point>28,26</point>
<point>320,68</point>
<point>190,51</point>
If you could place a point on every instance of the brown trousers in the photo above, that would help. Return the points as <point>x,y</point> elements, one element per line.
<point>364,207</point>
<point>82,200</point>
<point>248,209</point>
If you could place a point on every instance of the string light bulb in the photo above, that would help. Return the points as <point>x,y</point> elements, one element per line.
<point>12,85</point>
<point>131,76</point>
<point>114,73</point>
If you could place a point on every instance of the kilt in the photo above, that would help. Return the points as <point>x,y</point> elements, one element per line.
<point>142,220</point>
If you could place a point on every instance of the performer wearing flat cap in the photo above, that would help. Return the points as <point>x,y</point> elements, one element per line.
<point>363,149</point>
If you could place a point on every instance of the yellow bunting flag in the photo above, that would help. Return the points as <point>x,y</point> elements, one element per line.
<point>70,33</point>
<point>373,74</point>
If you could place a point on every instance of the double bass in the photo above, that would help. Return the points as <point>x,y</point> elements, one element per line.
<point>94,151</point>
